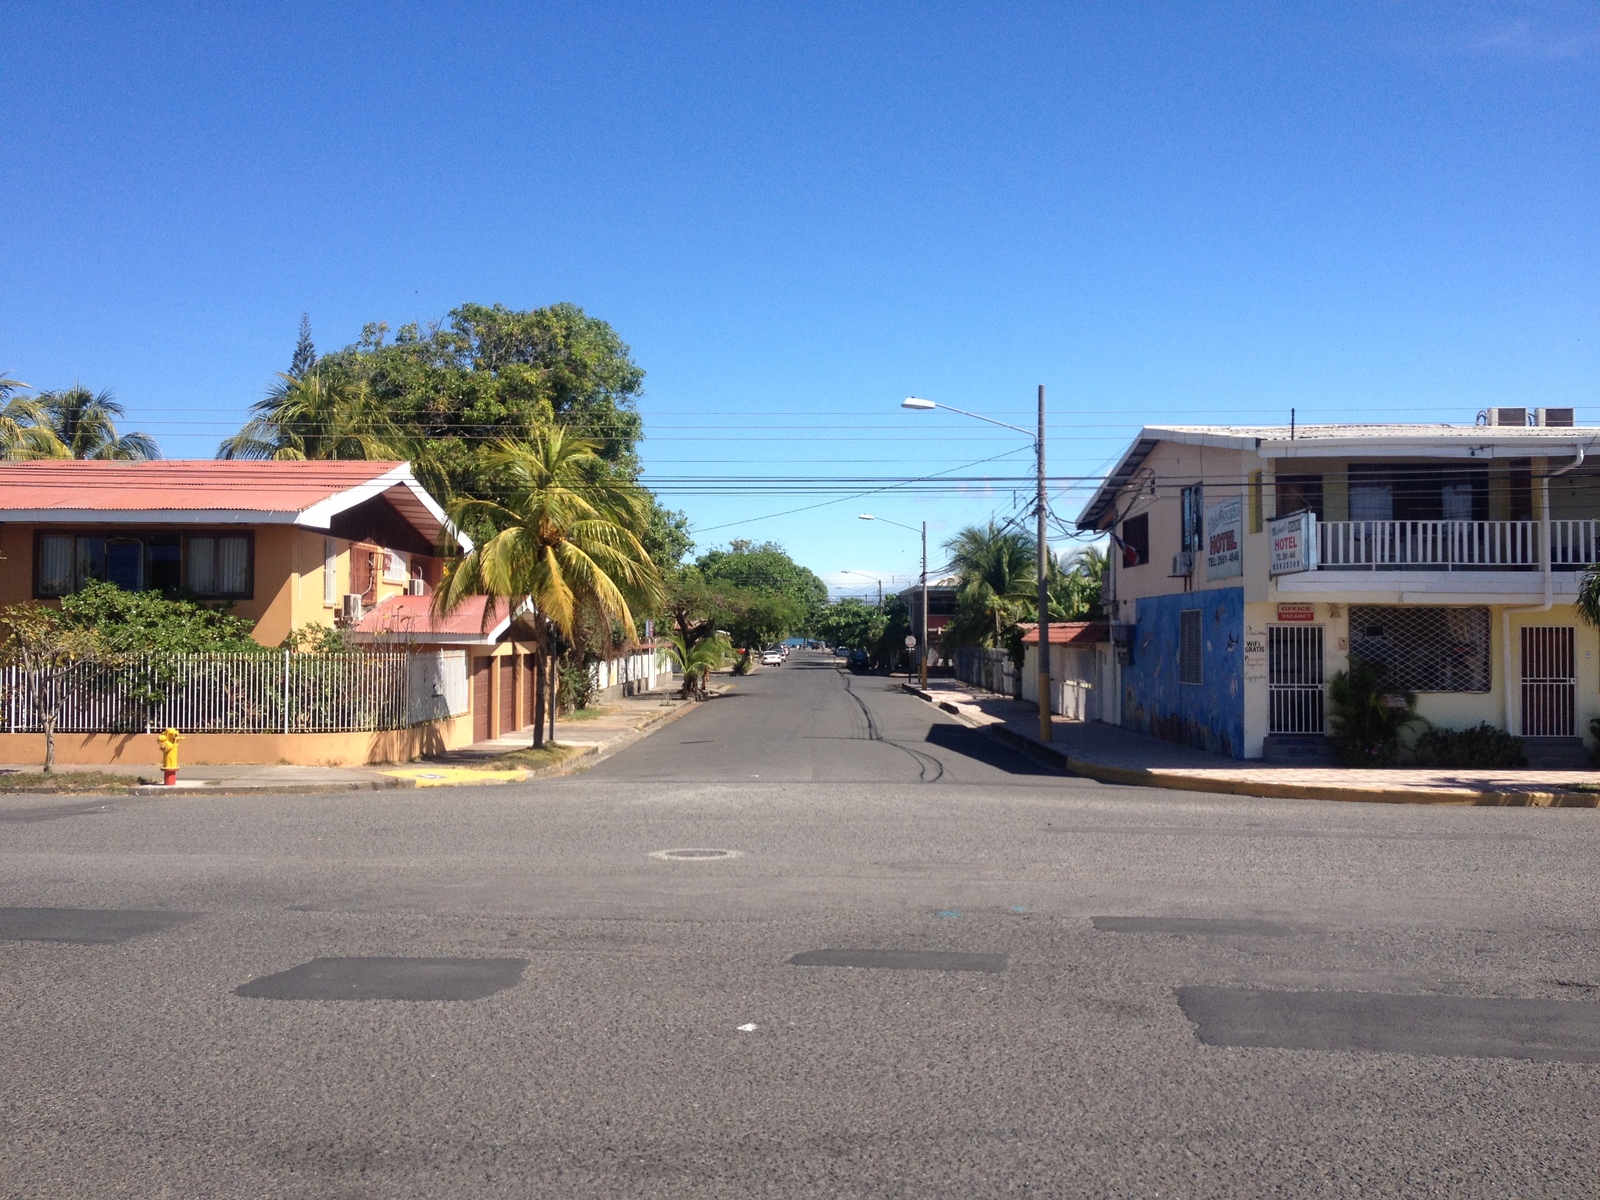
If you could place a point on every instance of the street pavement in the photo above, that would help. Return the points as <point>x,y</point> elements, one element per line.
<point>815,938</point>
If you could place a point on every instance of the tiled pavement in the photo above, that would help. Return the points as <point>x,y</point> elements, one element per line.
<point>1118,755</point>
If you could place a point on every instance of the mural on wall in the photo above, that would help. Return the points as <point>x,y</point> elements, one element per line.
<point>1208,715</point>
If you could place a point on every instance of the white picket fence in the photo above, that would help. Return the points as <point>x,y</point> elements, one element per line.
<point>246,693</point>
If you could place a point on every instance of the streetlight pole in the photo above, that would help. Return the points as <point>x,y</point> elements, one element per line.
<point>917,402</point>
<point>922,649</point>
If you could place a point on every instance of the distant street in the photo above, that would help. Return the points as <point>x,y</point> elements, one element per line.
<point>926,966</point>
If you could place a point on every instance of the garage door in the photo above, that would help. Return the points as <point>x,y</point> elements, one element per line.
<point>480,700</point>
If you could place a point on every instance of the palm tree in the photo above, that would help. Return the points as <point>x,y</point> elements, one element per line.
<point>1075,586</point>
<point>567,536</point>
<point>86,424</point>
<point>318,416</point>
<point>24,434</point>
<point>998,584</point>
<point>696,661</point>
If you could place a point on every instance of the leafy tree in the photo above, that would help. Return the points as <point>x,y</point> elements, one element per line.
<point>318,416</point>
<point>53,656</point>
<point>492,373</point>
<point>568,537</point>
<point>137,623</point>
<point>85,423</point>
<point>305,354</point>
<point>24,433</point>
<point>850,622</point>
<point>764,567</point>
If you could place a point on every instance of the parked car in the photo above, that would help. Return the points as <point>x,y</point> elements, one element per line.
<point>771,658</point>
<point>859,661</point>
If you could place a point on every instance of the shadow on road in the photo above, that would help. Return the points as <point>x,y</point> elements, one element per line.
<point>977,745</point>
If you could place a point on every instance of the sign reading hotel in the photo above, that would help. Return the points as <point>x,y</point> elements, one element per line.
<point>1294,544</point>
<point>1225,539</point>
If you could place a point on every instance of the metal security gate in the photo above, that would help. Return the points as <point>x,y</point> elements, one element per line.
<point>1296,697</point>
<point>1549,682</point>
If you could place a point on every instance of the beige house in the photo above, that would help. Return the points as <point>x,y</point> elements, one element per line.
<point>1249,564</point>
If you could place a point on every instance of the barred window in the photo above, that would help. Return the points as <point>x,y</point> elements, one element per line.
<point>1423,649</point>
<point>1189,646</point>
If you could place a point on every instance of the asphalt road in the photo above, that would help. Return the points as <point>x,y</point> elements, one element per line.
<point>928,968</point>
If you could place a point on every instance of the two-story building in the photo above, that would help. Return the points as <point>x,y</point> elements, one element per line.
<point>1250,564</point>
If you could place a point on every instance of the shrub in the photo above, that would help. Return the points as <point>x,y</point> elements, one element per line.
<point>1365,719</point>
<point>575,688</point>
<point>1480,746</point>
<point>743,661</point>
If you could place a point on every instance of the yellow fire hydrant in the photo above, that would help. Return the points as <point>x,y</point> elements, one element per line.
<point>168,740</point>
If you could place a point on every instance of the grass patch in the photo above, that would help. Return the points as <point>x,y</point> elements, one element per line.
<point>584,714</point>
<point>65,782</point>
<point>550,755</point>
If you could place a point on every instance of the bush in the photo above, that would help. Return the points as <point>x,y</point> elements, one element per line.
<point>743,661</point>
<point>575,688</point>
<point>1365,719</point>
<point>1480,746</point>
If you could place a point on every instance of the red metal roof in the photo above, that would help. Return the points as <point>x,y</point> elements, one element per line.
<point>1068,633</point>
<point>180,484</point>
<point>411,618</point>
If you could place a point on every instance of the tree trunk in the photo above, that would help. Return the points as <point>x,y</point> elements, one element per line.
<point>49,724</point>
<point>555,686</point>
<point>538,697</point>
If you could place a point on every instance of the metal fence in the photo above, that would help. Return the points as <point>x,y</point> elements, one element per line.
<point>991,670</point>
<point>244,693</point>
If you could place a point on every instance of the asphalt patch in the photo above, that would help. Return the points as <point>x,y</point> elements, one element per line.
<point>388,979</point>
<point>1444,1026</point>
<point>85,926</point>
<point>1191,926</point>
<point>902,960</point>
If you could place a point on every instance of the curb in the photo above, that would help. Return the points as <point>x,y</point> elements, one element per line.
<point>271,789</point>
<point>1176,781</point>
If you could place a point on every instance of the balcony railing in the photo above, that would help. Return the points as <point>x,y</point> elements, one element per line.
<point>1454,545</point>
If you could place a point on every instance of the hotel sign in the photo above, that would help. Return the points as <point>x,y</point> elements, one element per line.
<point>1225,539</point>
<point>1294,544</point>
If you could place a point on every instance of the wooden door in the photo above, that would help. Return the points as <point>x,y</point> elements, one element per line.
<point>480,700</point>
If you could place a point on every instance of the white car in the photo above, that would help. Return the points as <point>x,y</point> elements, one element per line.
<point>771,658</point>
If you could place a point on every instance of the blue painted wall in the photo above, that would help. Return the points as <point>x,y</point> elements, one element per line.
<point>1207,716</point>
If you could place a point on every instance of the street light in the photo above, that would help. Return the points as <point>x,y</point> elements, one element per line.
<point>918,403</point>
<point>922,650</point>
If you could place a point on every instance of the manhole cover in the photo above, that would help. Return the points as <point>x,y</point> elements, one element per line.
<point>694,855</point>
<point>388,979</point>
<point>87,926</point>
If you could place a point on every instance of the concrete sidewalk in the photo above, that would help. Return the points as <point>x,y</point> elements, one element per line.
<point>620,724</point>
<point>1115,755</point>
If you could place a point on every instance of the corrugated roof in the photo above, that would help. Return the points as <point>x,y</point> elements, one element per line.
<point>1067,633</point>
<point>412,619</point>
<point>213,491</point>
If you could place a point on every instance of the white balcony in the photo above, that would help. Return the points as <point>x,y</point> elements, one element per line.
<point>1454,545</point>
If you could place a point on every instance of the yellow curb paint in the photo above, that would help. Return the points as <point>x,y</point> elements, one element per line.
<point>455,776</point>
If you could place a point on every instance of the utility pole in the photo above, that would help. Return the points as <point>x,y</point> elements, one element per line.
<point>1044,586</point>
<point>922,672</point>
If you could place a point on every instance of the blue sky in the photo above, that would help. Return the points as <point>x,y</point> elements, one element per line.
<point>799,214</point>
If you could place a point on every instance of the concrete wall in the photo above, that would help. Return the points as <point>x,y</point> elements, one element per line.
<point>1208,715</point>
<point>228,749</point>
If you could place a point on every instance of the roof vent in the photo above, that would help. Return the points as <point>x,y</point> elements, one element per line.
<point>1556,418</point>
<point>1508,416</point>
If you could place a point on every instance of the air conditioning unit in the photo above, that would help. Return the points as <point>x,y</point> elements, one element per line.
<point>1508,416</point>
<point>1182,565</point>
<point>350,611</point>
<point>417,587</point>
<point>1556,418</point>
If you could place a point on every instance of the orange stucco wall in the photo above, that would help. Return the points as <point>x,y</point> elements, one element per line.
<point>234,749</point>
<point>288,593</point>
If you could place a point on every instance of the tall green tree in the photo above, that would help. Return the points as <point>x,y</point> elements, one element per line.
<point>305,353</point>
<point>24,433</point>
<point>490,373</point>
<point>567,536</point>
<point>85,422</point>
<point>319,415</point>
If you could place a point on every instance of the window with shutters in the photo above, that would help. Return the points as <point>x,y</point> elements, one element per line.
<point>1420,649</point>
